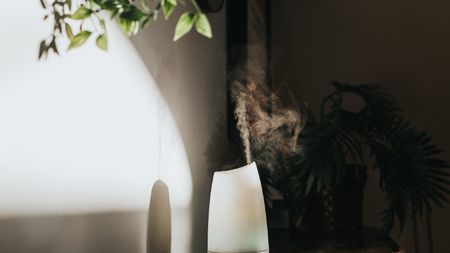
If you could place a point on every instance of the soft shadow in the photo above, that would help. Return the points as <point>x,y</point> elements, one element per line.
<point>159,220</point>
<point>111,232</point>
<point>190,74</point>
<point>229,156</point>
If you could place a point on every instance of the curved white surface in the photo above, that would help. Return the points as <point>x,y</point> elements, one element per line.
<point>237,216</point>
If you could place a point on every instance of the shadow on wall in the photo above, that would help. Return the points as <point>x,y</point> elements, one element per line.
<point>111,232</point>
<point>191,77</point>
<point>159,220</point>
<point>103,232</point>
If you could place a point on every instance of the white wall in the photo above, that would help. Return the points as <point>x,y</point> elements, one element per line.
<point>89,132</point>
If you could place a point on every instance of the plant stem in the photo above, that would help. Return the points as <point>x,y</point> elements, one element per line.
<point>429,233</point>
<point>196,5</point>
<point>415,233</point>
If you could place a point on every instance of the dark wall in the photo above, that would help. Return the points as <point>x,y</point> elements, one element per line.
<point>404,45</point>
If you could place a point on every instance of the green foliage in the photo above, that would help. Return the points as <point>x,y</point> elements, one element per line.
<point>129,27</point>
<point>82,13</point>
<point>79,39</point>
<point>184,25</point>
<point>69,31</point>
<point>102,42</point>
<point>411,177</point>
<point>187,21</point>
<point>168,6</point>
<point>202,25</point>
<point>131,15</point>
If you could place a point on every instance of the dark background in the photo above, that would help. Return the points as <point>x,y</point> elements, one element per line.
<point>403,45</point>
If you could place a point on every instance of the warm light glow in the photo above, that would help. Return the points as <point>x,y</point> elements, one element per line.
<point>85,132</point>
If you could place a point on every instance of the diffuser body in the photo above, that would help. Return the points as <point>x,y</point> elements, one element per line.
<point>237,217</point>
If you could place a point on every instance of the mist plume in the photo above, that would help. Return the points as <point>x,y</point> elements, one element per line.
<point>264,123</point>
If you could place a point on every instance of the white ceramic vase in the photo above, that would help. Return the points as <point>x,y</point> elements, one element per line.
<point>237,216</point>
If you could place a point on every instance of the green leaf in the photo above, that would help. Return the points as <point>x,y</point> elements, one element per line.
<point>81,13</point>
<point>202,25</point>
<point>144,5</point>
<point>129,27</point>
<point>173,2</point>
<point>98,2</point>
<point>133,14</point>
<point>184,25</point>
<point>79,39</point>
<point>42,49</point>
<point>102,24</point>
<point>69,4</point>
<point>53,46</point>
<point>145,22</point>
<point>102,42</point>
<point>69,32</point>
<point>167,8</point>
<point>94,4</point>
<point>112,5</point>
<point>114,13</point>
<point>309,184</point>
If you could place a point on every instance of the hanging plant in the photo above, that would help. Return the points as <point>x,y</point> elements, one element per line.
<point>132,17</point>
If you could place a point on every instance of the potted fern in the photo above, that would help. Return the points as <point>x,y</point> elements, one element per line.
<point>325,178</point>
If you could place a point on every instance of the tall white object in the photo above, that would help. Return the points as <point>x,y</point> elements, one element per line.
<point>237,216</point>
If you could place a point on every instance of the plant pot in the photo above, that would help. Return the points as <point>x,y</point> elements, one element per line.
<point>334,215</point>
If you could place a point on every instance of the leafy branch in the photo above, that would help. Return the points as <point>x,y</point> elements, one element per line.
<point>412,178</point>
<point>132,17</point>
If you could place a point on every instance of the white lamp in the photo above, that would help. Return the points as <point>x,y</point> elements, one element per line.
<point>237,216</point>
